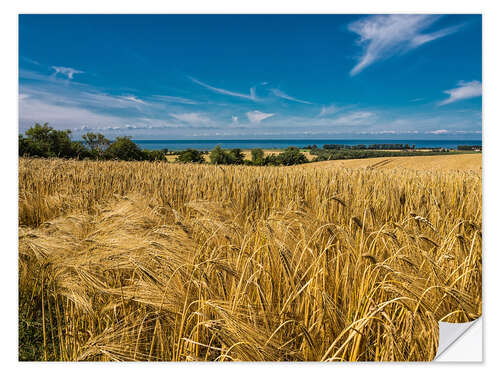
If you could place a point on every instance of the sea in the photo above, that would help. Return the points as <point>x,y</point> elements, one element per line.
<point>209,144</point>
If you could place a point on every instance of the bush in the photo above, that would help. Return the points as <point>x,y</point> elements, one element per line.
<point>257,156</point>
<point>292,156</point>
<point>154,155</point>
<point>219,156</point>
<point>236,156</point>
<point>124,149</point>
<point>271,160</point>
<point>190,156</point>
<point>96,143</point>
<point>45,141</point>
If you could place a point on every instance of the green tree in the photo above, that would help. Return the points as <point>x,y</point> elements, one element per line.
<point>39,133</point>
<point>271,159</point>
<point>236,156</point>
<point>219,156</point>
<point>257,156</point>
<point>97,143</point>
<point>43,140</point>
<point>190,156</point>
<point>124,149</point>
<point>154,155</point>
<point>291,156</point>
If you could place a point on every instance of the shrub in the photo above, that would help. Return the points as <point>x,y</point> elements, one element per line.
<point>124,149</point>
<point>45,141</point>
<point>257,156</point>
<point>154,155</point>
<point>219,156</point>
<point>291,156</point>
<point>190,156</point>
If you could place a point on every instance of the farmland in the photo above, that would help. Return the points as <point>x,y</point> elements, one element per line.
<point>344,260</point>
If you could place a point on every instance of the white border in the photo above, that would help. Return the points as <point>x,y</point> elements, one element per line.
<point>8,225</point>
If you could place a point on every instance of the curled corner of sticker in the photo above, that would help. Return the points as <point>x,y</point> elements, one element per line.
<point>460,342</point>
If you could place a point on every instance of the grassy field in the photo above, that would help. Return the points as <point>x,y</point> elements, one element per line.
<point>319,262</point>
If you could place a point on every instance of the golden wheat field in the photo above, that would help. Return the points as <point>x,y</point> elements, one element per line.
<point>142,261</point>
<point>427,162</point>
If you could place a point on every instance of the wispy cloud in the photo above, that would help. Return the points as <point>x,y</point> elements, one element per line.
<point>281,94</point>
<point>31,61</point>
<point>355,118</point>
<point>383,36</point>
<point>329,110</point>
<point>132,99</point>
<point>465,90</point>
<point>62,115</point>
<point>191,118</point>
<point>255,117</point>
<point>175,99</point>
<point>252,95</point>
<point>439,131</point>
<point>68,72</point>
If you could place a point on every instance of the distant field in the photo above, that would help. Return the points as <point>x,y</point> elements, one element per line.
<point>439,162</point>
<point>445,162</point>
<point>248,155</point>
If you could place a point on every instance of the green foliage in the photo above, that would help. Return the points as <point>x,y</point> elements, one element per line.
<point>236,156</point>
<point>45,141</point>
<point>30,330</point>
<point>124,149</point>
<point>190,156</point>
<point>154,155</point>
<point>271,160</point>
<point>336,154</point>
<point>219,156</point>
<point>257,156</point>
<point>291,156</point>
<point>96,143</point>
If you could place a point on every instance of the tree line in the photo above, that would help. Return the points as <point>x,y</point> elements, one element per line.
<point>377,146</point>
<point>45,141</point>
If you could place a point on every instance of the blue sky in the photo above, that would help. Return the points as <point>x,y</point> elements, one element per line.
<point>253,76</point>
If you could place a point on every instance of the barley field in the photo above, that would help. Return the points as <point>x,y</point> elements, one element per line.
<point>142,261</point>
<point>428,162</point>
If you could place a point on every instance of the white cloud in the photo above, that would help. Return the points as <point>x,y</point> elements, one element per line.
<point>255,117</point>
<point>465,90</point>
<point>355,118</point>
<point>108,101</point>
<point>175,99</point>
<point>68,72</point>
<point>234,119</point>
<point>132,99</point>
<point>61,116</point>
<point>439,131</point>
<point>252,95</point>
<point>31,61</point>
<point>383,36</point>
<point>191,118</point>
<point>281,94</point>
<point>329,110</point>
